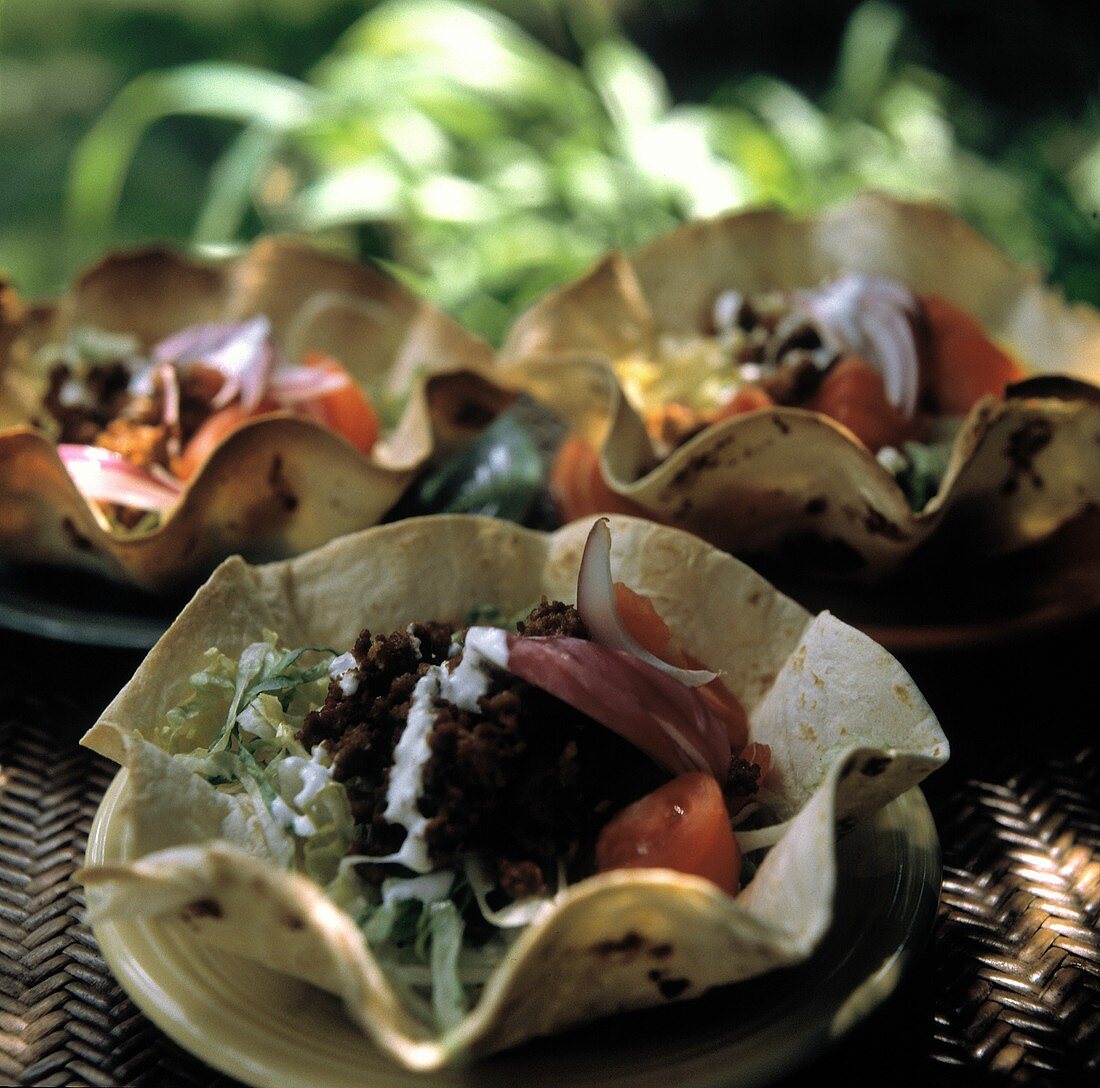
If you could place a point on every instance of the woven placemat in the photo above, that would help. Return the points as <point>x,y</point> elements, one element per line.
<point>1015,959</point>
<point>1017,945</point>
<point>63,1018</point>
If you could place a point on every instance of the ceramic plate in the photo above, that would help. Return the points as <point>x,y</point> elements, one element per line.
<point>71,606</point>
<point>273,1031</point>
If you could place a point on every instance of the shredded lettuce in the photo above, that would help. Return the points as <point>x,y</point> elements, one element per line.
<point>238,729</point>
<point>488,615</point>
<point>919,469</point>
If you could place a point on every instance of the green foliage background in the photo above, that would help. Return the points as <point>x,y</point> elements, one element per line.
<point>482,160</point>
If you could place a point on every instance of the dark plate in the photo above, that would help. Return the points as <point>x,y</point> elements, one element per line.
<point>74,607</point>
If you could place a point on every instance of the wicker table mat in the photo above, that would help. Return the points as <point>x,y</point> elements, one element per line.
<point>1009,994</point>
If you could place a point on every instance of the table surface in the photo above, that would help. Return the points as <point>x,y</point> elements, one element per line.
<point>1008,992</point>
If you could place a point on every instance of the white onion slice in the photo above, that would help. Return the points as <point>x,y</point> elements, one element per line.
<point>296,384</point>
<point>243,353</point>
<point>599,610</point>
<point>667,720</point>
<point>871,316</point>
<point>521,912</point>
<point>761,838</point>
<point>103,476</point>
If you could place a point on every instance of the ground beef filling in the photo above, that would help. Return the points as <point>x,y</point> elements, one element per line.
<point>110,416</point>
<point>525,782</point>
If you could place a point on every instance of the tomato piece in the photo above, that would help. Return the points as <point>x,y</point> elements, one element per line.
<point>347,411</point>
<point>853,393</point>
<point>726,705</point>
<point>760,755</point>
<point>749,398</point>
<point>213,431</point>
<point>683,825</point>
<point>963,364</point>
<point>578,486</point>
<point>643,621</point>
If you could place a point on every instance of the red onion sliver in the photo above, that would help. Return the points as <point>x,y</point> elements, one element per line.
<point>599,610</point>
<point>170,388</point>
<point>295,384</point>
<point>243,353</point>
<point>668,721</point>
<point>103,476</point>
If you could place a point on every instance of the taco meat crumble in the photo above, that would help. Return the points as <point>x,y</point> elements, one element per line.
<point>524,781</point>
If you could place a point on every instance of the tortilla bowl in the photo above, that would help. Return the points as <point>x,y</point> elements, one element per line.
<point>279,485</point>
<point>847,727</point>
<point>789,480</point>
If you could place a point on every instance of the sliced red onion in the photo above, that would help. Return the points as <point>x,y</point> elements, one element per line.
<point>294,385</point>
<point>874,317</point>
<point>656,713</point>
<point>243,353</point>
<point>103,476</point>
<point>598,608</point>
<point>170,388</point>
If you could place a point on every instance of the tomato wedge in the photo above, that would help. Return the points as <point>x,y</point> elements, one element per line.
<point>963,364</point>
<point>578,486</point>
<point>683,825</point>
<point>214,429</point>
<point>749,398</point>
<point>347,411</point>
<point>644,622</point>
<point>853,393</point>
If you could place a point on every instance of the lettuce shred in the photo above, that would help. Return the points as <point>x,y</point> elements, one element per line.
<point>238,729</point>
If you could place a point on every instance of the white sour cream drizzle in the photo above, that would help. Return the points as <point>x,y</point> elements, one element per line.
<point>461,686</point>
<point>301,780</point>
<point>344,671</point>
<point>428,889</point>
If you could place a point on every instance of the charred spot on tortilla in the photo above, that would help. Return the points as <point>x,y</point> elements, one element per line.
<point>627,945</point>
<point>817,505</point>
<point>277,481</point>
<point>683,509</point>
<point>1023,446</point>
<point>661,951</point>
<point>202,908</point>
<point>669,988</point>
<point>878,524</point>
<point>876,766</point>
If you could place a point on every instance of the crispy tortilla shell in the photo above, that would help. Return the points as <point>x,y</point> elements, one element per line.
<point>849,731</point>
<point>278,486</point>
<point>774,480</point>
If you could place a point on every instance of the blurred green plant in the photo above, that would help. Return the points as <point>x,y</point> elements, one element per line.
<point>442,140</point>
